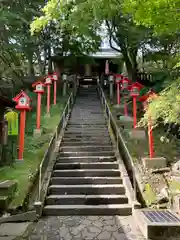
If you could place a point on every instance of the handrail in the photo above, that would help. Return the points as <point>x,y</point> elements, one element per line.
<point>118,137</point>
<point>51,146</point>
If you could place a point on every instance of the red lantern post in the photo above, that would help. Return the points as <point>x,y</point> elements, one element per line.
<point>118,78</point>
<point>135,88</point>
<point>23,104</point>
<point>48,83</point>
<point>144,100</point>
<point>118,81</point>
<point>39,89</point>
<point>55,78</point>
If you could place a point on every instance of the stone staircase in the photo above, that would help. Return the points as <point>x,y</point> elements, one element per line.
<point>86,179</point>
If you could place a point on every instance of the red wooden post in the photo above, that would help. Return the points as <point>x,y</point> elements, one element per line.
<point>144,99</point>
<point>38,117</point>
<point>55,92</point>
<point>134,111</point>
<point>48,98</point>
<point>22,134</point>
<point>23,104</point>
<point>48,82</point>
<point>39,89</point>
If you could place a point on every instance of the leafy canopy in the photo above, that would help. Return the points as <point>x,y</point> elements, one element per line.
<point>161,15</point>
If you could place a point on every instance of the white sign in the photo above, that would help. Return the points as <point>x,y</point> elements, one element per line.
<point>22,101</point>
<point>64,77</point>
<point>39,87</point>
<point>48,80</point>
<point>111,78</point>
<point>55,77</point>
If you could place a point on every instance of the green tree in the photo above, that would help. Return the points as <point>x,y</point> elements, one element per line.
<point>21,53</point>
<point>85,18</point>
<point>163,17</point>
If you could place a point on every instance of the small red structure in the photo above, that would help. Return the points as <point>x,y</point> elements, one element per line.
<point>39,89</point>
<point>134,92</point>
<point>48,82</point>
<point>144,100</point>
<point>23,104</point>
<point>125,83</point>
<point>118,78</point>
<point>55,78</point>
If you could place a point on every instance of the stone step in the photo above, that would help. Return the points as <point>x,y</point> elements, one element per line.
<point>103,210</point>
<point>86,199</point>
<point>87,139</point>
<point>87,189</point>
<point>88,116</point>
<point>85,180</point>
<point>86,134</point>
<point>83,122</point>
<point>87,131</point>
<point>86,126</point>
<point>86,143</point>
<point>90,148</point>
<point>102,165</point>
<point>84,154</point>
<point>86,159</point>
<point>90,120</point>
<point>87,173</point>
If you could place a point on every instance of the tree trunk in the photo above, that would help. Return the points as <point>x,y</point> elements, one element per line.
<point>31,72</point>
<point>49,60</point>
<point>131,65</point>
<point>40,64</point>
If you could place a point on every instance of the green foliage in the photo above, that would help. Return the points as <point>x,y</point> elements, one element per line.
<point>76,37</point>
<point>165,107</point>
<point>83,20</point>
<point>18,50</point>
<point>163,18</point>
<point>161,15</point>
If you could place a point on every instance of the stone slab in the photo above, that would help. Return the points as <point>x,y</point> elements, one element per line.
<point>37,133</point>
<point>13,229</point>
<point>137,134</point>
<point>4,200</point>
<point>154,163</point>
<point>22,217</point>
<point>7,188</point>
<point>126,119</point>
<point>7,238</point>
<point>86,227</point>
<point>118,106</point>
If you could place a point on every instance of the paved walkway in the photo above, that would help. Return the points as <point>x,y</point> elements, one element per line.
<point>85,228</point>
